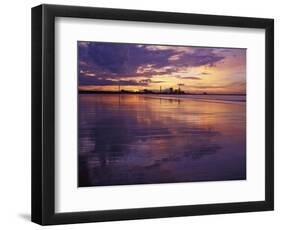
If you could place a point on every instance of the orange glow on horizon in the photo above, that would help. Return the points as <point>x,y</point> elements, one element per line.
<point>225,76</point>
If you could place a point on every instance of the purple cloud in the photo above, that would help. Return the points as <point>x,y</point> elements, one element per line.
<point>99,62</point>
<point>103,82</point>
<point>200,57</point>
<point>191,78</point>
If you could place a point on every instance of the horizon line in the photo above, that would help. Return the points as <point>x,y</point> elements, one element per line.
<point>155,92</point>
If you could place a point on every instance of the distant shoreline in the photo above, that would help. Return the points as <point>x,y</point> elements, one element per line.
<point>155,93</point>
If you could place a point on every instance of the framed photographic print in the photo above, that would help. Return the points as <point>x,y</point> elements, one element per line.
<point>141,114</point>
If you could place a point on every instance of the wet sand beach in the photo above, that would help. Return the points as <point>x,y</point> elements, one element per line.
<point>142,139</point>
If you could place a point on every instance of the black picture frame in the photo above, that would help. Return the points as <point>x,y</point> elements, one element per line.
<point>43,114</point>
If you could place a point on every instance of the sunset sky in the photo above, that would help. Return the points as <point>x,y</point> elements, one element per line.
<point>105,66</point>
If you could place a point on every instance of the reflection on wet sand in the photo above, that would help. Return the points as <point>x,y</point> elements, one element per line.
<point>134,139</point>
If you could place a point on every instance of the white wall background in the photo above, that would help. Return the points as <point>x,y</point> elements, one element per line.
<point>15,114</point>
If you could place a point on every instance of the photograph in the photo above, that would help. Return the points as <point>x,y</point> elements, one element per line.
<point>141,114</point>
<point>150,113</point>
